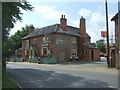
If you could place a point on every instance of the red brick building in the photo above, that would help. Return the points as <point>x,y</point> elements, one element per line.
<point>59,42</point>
<point>115,19</point>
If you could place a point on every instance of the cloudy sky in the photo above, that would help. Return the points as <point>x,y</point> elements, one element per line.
<point>48,13</point>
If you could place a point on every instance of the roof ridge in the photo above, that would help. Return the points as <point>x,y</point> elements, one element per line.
<point>47,26</point>
<point>56,27</point>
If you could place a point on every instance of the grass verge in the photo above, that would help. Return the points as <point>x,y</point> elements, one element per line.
<point>6,82</point>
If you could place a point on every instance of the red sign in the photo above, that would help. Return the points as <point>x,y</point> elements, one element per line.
<point>103,34</point>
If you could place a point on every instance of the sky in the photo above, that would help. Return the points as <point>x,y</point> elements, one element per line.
<point>48,13</point>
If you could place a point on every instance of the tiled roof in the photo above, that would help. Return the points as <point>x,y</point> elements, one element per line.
<point>90,45</point>
<point>54,29</point>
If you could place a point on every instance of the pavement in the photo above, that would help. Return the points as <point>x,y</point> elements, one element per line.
<point>93,66</point>
<point>64,75</point>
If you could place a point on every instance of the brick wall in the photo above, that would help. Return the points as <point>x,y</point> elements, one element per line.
<point>88,56</point>
<point>96,54</point>
<point>63,49</point>
<point>116,43</point>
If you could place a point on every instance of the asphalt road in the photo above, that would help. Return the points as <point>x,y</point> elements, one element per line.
<point>29,75</point>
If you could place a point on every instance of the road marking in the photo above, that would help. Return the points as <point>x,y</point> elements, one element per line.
<point>16,84</point>
<point>111,87</point>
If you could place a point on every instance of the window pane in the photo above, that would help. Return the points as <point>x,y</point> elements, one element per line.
<point>45,50</point>
<point>74,52</point>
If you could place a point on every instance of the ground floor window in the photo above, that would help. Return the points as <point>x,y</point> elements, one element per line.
<point>73,52</point>
<point>44,50</point>
<point>85,52</point>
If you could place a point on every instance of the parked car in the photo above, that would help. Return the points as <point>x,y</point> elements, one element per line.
<point>101,54</point>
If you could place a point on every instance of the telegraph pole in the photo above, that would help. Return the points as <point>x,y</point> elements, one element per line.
<point>108,50</point>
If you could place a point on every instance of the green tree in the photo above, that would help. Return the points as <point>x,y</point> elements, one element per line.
<point>10,14</point>
<point>93,43</point>
<point>15,40</point>
<point>101,45</point>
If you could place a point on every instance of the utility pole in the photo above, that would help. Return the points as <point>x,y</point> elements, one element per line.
<point>108,50</point>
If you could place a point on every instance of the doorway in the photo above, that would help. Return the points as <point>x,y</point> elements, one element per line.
<point>92,55</point>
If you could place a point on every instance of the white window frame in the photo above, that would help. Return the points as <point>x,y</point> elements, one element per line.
<point>43,48</point>
<point>59,41</point>
<point>35,41</point>
<point>45,39</point>
<point>25,51</point>
<point>73,40</point>
<point>27,44</point>
<point>74,51</point>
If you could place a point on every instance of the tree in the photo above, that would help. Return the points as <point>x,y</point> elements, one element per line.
<point>101,45</point>
<point>10,14</point>
<point>15,41</point>
<point>93,43</point>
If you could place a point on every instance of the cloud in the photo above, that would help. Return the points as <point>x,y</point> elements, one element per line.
<point>54,15</point>
<point>97,18</point>
<point>75,23</point>
<point>17,27</point>
<point>84,12</point>
<point>42,8</point>
<point>98,24</point>
<point>95,24</point>
<point>48,12</point>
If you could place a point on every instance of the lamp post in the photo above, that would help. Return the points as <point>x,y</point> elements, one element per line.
<point>108,51</point>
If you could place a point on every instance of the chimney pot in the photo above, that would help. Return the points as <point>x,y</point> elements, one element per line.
<point>63,23</point>
<point>31,28</point>
<point>64,16</point>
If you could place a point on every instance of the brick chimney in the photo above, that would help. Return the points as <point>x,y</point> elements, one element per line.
<point>31,28</point>
<point>63,23</point>
<point>82,27</point>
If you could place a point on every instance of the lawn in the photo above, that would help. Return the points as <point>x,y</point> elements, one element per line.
<point>6,82</point>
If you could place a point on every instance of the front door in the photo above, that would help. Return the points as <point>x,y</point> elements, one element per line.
<point>92,54</point>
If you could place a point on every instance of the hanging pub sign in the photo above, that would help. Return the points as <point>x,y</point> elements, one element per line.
<point>103,34</point>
